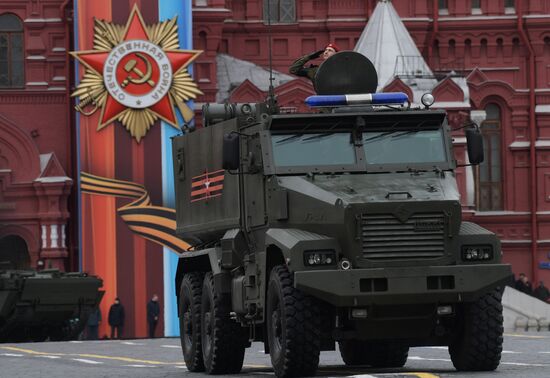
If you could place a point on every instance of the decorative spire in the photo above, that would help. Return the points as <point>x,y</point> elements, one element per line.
<point>388,44</point>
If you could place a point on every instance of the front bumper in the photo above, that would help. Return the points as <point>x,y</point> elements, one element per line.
<point>383,286</point>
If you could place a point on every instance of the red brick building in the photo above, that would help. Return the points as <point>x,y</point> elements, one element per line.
<point>36,135</point>
<point>501,47</point>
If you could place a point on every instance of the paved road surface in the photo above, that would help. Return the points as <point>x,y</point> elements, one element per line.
<point>526,355</point>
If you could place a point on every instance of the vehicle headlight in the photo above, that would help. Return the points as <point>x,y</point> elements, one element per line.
<point>321,257</point>
<point>477,252</point>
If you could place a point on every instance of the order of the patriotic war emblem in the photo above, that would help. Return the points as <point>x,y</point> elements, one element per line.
<point>136,75</point>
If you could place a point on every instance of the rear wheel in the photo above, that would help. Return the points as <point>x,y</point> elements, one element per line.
<point>190,320</point>
<point>293,327</point>
<point>376,354</point>
<point>223,339</point>
<point>478,342</point>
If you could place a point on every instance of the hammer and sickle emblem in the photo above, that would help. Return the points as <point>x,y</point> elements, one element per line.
<point>130,67</point>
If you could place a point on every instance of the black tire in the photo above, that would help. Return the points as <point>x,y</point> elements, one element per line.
<point>57,333</point>
<point>379,354</point>
<point>190,320</point>
<point>293,327</point>
<point>223,339</point>
<point>478,342</point>
<point>37,334</point>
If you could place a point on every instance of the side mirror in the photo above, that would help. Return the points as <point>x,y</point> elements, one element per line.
<point>474,140</point>
<point>231,151</point>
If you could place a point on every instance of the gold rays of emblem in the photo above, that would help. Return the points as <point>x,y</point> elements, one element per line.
<point>92,92</point>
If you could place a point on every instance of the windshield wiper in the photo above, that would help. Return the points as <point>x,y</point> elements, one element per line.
<point>316,136</point>
<point>405,133</point>
<point>380,136</point>
<point>385,134</point>
<point>289,138</point>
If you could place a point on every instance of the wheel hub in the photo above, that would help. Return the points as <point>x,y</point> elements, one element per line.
<point>276,328</point>
<point>276,324</point>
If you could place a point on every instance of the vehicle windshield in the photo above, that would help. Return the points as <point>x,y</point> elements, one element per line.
<point>404,147</point>
<point>294,150</point>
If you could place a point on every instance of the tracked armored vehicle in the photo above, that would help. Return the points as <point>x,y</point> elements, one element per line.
<point>47,304</point>
<point>339,226</point>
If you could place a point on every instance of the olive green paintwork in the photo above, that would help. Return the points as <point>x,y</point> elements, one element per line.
<point>398,224</point>
<point>35,305</point>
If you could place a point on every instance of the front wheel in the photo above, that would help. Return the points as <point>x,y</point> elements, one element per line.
<point>477,345</point>
<point>293,327</point>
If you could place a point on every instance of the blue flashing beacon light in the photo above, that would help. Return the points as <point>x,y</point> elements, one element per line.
<point>389,98</point>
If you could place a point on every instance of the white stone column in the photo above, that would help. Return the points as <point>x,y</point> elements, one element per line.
<point>44,236</point>
<point>63,236</point>
<point>54,236</point>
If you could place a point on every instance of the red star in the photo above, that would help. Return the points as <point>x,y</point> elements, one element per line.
<point>136,30</point>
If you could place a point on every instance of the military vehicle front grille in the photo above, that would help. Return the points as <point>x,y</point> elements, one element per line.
<point>386,237</point>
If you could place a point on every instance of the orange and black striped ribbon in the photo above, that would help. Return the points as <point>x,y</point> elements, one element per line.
<point>154,223</point>
<point>207,185</point>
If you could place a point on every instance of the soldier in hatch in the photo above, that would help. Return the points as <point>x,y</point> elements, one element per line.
<point>297,68</point>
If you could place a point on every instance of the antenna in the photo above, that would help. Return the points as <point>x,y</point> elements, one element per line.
<point>271,100</point>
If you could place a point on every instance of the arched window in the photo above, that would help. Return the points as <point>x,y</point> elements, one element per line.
<point>490,171</point>
<point>280,11</point>
<point>201,45</point>
<point>467,51</point>
<point>452,46</point>
<point>11,52</point>
<point>483,48</point>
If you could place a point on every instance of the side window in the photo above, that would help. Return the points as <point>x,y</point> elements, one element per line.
<point>509,6</point>
<point>280,11</point>
<point>476,6</point>
<point>489,178</point>
<point>443,7</point>
<point>11,52</point>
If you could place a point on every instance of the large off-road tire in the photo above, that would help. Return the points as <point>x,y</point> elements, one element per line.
<point>190,320</point>
<point>477,345</point>
<point>293,327</point>
<point>223,339</point>
<point>378,354</point>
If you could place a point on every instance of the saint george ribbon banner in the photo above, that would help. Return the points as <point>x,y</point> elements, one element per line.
<point>154,223</point>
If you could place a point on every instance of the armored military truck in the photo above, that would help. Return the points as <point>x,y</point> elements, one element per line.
<point>48,304</point>
<point>338,226</point>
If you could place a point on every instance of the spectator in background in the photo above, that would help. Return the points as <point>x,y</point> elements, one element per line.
<point>541,292</point>
<point>153,312</point>
<point>94,320</point>
<point>116,319</point>
<point>523,284</point>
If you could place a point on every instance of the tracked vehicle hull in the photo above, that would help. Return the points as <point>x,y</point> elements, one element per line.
<point>40,305</point>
